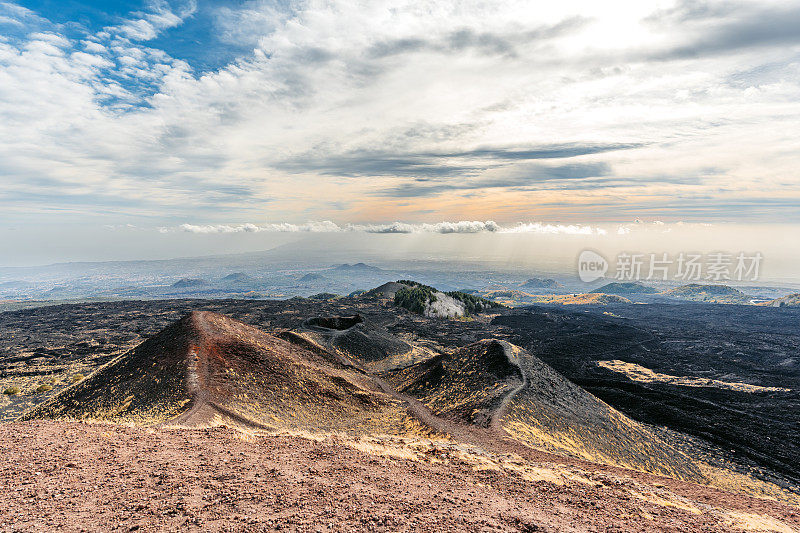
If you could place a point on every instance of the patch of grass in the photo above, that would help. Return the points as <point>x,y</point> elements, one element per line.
<point>11,391</point>
<point>44,388</point>
<point>77,377</point>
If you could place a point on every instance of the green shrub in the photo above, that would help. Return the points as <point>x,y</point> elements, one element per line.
<point>77,377</point>
<point>323,296</point>
<point>11,391</point>
<point>415,298</point>
<point>44,388</point>
<point>473,304</point>
<point>411,283</point>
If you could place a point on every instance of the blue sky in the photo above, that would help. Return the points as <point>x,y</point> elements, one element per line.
<point>196,40</point>
<point>218,114</point>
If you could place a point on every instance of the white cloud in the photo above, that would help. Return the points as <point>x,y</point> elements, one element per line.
<point>108,124</point>
<point>554,229</point>
<point>94,48</point>
<point>150,24</point>
<point>462,226</point>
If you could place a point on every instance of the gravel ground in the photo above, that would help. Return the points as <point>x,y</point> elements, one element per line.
<point>71,476</point>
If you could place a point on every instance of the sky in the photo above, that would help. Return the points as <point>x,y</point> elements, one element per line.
<point>212,117</point>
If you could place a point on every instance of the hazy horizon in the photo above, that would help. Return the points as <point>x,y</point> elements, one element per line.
<point>535,248</point>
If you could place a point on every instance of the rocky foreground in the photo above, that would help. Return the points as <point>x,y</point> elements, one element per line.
<point>71,476</point>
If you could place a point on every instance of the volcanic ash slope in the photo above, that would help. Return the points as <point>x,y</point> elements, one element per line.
<point>207,369</point>
<point>498,385</point>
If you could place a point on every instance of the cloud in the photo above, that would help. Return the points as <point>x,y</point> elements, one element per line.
<point>462,226</point>
<point>441,164</point>
<point>324,226</point>
<point>468,39</point>
<point>387,111</point>
<point>150,24</point>
<point>530,176</point>
<point>723,28</point>
<point>555,229</point>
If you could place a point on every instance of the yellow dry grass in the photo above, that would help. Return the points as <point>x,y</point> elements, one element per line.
<point>642,374</point>
<point>756,522</point>
<point>667,500</point>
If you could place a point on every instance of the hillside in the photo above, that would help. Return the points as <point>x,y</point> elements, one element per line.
<point>541,283</point>
<point>186,283</point>
<point>580,299</point>
<point>424,300</point>
<point>498,385</point>
<point>207,369</point>
<point>357,268</point>
<point>387,290</point>
<point>237,277</point>
<point>468,385</point>
<point>722,294</point>
<point>359,342</point>
<point>623,288</point>
<point>791,300</point>
<point>365,368</point>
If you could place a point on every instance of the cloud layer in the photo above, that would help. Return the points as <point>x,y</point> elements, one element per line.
<point>462,226</point>
<point>414,110</point>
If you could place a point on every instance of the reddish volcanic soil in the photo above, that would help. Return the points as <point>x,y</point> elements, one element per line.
<point>100,477</point>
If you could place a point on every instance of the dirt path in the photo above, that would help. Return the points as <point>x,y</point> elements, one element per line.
<point>202,408</point>
<point>496,424</point>
<point>196,379</point>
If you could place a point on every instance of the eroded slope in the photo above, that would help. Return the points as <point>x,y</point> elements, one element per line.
<point>208,369</point>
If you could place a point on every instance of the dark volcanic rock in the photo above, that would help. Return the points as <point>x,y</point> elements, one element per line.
<point>744,344</point>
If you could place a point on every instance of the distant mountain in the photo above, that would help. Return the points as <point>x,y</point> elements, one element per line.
<point>357,267</point>
<point>791,300</point>
<point>186,283</point>
<point>237,277</point>
<point>312,276</point>
<point>626,287</point>
<point>541,283</point>
<point>721,294</point>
